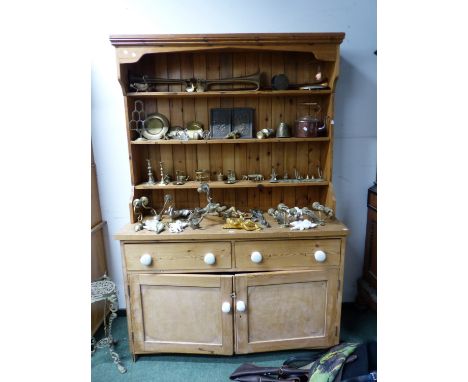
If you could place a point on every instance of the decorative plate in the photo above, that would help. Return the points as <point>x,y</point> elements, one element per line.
<point>155,126</point>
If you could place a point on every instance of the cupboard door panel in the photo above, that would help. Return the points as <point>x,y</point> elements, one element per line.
<point>286,310</point>
<point>181,313</point>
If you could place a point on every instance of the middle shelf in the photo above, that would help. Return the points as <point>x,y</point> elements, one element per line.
<point>238,184</point>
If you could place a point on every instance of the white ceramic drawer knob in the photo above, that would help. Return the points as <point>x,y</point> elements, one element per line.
<point>240,306</point>
<point>226,307</point>
<point>320,256</point>
<point>209,259</point>
<point>256,257</point>
<point>146,259</point>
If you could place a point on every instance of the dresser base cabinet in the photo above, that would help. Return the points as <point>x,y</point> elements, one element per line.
<point>257,295</point>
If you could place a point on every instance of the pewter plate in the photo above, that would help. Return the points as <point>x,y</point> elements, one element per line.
<point>155,126</point>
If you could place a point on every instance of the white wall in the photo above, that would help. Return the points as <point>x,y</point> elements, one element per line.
<point>355,117</point>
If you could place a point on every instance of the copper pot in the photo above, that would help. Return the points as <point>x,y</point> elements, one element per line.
<point>306,127</point>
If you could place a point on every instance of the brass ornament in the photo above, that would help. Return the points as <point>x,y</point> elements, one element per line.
<point>241,223</point>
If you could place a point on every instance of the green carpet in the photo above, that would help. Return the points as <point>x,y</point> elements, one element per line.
<point>357,325</point>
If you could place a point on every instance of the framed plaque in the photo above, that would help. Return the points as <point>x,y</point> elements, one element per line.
<point>242,121</point>
<point>220,122</point>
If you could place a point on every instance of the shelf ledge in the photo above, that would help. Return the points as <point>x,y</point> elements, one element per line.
<point>238,184</point>
<point>232,93</point>
<point>228,141</point>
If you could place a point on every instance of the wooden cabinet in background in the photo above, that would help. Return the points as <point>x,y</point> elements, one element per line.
<point>273,289</point>
<point>367,284</point>
<point>98,251</point>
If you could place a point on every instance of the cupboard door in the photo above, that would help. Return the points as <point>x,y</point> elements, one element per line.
<point>286,310</point>
<point>181,313</point>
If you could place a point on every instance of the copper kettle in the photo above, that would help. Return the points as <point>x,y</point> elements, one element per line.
<point>309,126</point>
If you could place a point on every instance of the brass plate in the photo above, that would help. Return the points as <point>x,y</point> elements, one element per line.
<point>155,126</point>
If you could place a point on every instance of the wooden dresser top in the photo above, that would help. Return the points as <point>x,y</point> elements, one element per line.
<point>211,229</point>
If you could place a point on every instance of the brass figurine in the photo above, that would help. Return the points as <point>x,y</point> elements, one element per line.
<point>141,204</point>
<point>257,216</point>
<point>181,178</point>
<point>231,177</point>
<point>198,214</point>
<point>319,173</point>
<point>285,215</point>
<point>202,175</point>
<point>326,210</point>
<point>265,133</point>
<point>253,177</point>
<point>233,134</point>
<point>241,223</point>
<point>273,176</point>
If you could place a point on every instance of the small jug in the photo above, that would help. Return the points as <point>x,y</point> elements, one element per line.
<point>283,131</point>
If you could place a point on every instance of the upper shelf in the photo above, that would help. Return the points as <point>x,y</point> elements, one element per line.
<point>232,93</point>
<point>232,141</point>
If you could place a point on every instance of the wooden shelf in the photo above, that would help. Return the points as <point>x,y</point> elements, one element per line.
<point>239,184</point>
<point>232,93</point>
<point>227,141</point>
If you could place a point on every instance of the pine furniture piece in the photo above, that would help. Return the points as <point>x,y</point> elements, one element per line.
<point>218,291</point>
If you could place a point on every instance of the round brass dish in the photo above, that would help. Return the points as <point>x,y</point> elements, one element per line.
<point>155,126</point>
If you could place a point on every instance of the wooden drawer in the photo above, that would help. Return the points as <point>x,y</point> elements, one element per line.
<point>171,256</point>
<point>283,254</point>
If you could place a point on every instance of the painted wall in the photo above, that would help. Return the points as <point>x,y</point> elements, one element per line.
<point>355,118</point>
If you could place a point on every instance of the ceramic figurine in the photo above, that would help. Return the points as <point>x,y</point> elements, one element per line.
<point>153,225</point>
<point>177,226</point>
<point>302,225</point>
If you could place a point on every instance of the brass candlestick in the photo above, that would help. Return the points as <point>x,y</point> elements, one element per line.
<point>161,169</point>
<point>151,179</point>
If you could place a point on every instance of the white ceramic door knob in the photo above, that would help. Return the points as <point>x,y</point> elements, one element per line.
<point>256,257</point>
<point>320,256</point>
<point>146,259</point>
<point>240,306</point>
<point>226,307</point>
<point>209,259</point>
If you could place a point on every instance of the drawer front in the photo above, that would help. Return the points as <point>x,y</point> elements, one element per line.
<point>184,256</point>
<point>281,254</point>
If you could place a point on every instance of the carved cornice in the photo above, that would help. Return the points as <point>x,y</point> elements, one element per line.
<point>223,39</point>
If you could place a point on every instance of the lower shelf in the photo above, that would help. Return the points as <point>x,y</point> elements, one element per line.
<point>238,184</point>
